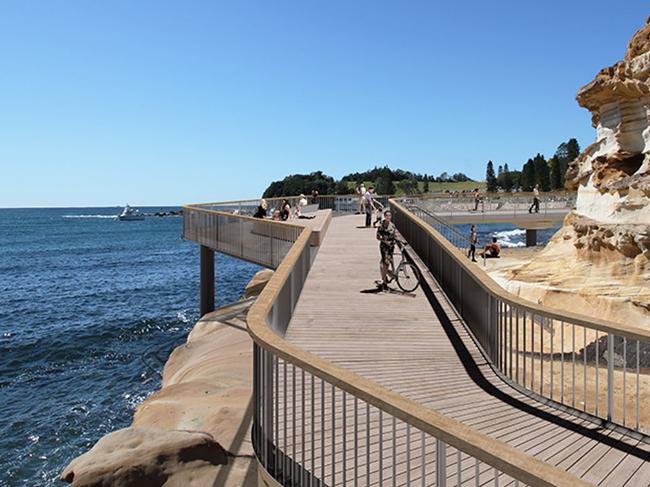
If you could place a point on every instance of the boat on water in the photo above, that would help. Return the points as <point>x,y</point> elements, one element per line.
<point>130,214</point>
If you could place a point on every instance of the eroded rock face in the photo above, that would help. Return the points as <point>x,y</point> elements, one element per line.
<point>598,264</point>
<point>613,174</point>
<point>144,457</point>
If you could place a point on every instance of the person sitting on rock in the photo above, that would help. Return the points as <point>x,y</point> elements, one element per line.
<point>491,250</point>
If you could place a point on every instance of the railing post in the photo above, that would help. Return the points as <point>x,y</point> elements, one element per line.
<point>207,280</point>
<point>610,376</point>
<point>441,463</point>
<point>268,396</point>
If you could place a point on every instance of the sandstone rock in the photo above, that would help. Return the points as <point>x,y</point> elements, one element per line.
<point>613,174</point>
<point>206,389</point>
<point>143,457</point>
<point>598,263</point>
<point>257,283</point>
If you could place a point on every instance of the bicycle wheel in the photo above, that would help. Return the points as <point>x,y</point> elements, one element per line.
<point>408,277</point>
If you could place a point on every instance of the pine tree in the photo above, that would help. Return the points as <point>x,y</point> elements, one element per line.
<point>500,170</point>
<point>557,178</point>
<point>490,178</point>
<point>527,178</point>
<point>425,189</point>
<point>542,173</point>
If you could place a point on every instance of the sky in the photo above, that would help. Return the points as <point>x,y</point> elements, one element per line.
<point>167,103</point>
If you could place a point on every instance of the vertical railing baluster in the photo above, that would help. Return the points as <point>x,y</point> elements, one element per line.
<point>610,376</point>
<point>441,463</point>
<point>424,463</point>
<point>624,381</point>
<point>333,483</point>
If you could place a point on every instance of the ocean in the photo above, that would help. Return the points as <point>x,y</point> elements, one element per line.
<point>507,234</point>
<point>90,308</point>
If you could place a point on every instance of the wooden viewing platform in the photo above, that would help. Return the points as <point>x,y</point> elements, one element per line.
<point>459,383</point>
<point>423,351</point>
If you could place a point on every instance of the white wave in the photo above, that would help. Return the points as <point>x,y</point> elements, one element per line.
<point>508,244</point>
<point>511,238</point>
<point>517,232</point>
<point>90,216</point>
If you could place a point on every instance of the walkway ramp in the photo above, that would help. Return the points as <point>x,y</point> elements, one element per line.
<point>422,350</point>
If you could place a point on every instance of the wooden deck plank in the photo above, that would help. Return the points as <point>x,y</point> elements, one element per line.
<point>398,341</point>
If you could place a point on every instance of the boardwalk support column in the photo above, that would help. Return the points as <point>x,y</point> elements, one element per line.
<point>531,237</point>
<point>207,280</point>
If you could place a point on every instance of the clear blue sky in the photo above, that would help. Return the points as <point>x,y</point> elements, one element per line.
<point>103,103</point>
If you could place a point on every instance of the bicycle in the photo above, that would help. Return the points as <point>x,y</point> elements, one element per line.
<point>405,274</point>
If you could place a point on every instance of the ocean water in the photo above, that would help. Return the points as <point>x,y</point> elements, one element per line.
<point>507,234</point>
<point>90,308</point>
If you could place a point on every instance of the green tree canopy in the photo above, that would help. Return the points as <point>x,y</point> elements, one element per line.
<point>490,178</point>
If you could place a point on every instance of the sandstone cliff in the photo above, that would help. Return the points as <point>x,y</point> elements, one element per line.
<point>599,262</point>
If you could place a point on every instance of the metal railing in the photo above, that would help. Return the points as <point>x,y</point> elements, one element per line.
<point>512,205</point>
<point>587,364</point>
<point>336,203</point>
<point>260,241</point>
<point>317,424</point>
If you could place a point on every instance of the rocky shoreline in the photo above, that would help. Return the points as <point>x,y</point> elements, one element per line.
<point>195,430</point>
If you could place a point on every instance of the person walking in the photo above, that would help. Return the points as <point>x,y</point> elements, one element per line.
<point>535,204</point>
<point>473,241</point>
<point>368,205</point>
<point>477,199</point>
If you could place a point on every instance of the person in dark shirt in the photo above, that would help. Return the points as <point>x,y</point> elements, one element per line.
<point>261,209</point>
<point>387,235</point>
<point>285,210</point>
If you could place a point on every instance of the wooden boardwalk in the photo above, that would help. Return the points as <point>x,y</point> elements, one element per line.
<point>423,351</point>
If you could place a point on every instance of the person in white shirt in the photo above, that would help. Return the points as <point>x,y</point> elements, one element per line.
<point>302,201</point>
<point>369,204</point>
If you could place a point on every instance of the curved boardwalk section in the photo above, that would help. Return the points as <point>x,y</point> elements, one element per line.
<point>422,350</point>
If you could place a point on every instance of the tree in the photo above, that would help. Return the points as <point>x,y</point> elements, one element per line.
<point>557,178</point>
<point>425,189</point>
<point>505,167</point>
<point>490,178</point>
<point>566,153</point>
<point>527,177</point>
<point>542,173</point>
<point>408,186</point>
<point>384,185</point>
<point>500,170</point>
<point>342,187</point>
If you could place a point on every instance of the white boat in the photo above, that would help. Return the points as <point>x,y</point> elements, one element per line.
<point>130,214</point>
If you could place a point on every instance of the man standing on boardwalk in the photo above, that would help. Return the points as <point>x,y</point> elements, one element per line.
<point>369,204</point>
<point>535,204</point>
<point>386,234</point>
<point>473,240</point>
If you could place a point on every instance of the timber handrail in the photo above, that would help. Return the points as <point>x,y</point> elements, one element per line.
<point>502,456</point>
<point>488,284</point>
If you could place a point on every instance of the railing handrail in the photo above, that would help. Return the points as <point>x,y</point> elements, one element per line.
<point>500,455</point>
<point>484,280</point>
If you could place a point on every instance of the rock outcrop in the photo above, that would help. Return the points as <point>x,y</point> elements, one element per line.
<point>195,431</point>
<point>613,175</point>
<point>146,458</point>
<point>599,262</point>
